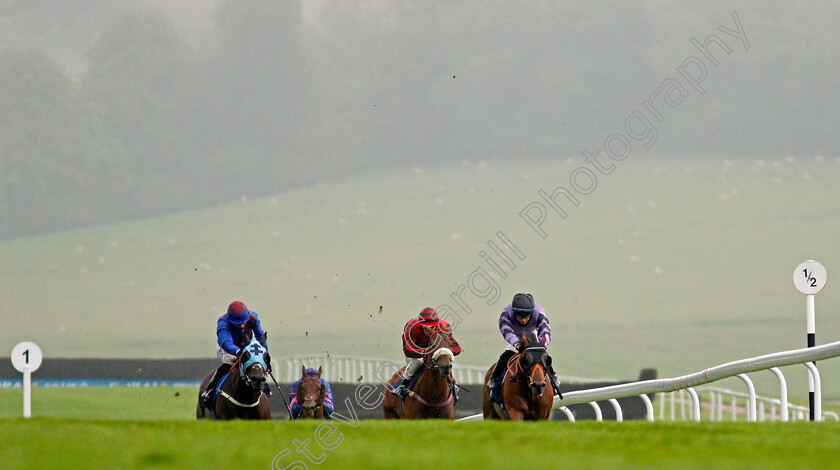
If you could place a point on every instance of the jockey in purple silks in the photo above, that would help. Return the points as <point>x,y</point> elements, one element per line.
<point>519,319</point>
<point>234,331</point>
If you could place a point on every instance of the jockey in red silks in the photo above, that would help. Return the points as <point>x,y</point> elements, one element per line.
<point>234,331</point>
<point>520,318</point>
<point>416,345</point>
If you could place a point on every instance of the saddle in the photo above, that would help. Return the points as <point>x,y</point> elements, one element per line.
<point>412,382</point>
<point>210,402</point>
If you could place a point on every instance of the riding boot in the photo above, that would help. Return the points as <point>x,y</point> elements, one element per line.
<point>554,382</point>
<point>217,374</point>
<point>454,387</point>
<point>267,390</point>
<point>499,369</point>
<point>402,390</point>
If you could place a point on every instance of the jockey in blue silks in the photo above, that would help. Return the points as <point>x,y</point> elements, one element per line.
<point>518,319</point>
<point>234,331</point>
<point>296,407</point>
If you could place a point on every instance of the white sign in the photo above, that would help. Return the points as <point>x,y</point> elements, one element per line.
<point>26,354</point>
<point>809,277</point>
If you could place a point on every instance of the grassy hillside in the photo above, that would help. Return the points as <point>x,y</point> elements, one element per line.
<point>678,264</point>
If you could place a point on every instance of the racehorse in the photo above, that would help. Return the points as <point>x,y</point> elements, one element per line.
<point>527,393</point>
<point>311,394</point>
<point>240,393</point>
<point>432,395</point>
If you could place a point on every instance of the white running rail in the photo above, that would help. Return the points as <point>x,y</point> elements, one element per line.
<point>353,369</point>
<point>675,406</point>
<point>739,369</point>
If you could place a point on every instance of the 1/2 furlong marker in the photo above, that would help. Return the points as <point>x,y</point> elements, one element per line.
<point>26,358</point>
<point>809,277</point>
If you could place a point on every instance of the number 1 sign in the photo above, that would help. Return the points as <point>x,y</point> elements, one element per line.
<point>26,358</point>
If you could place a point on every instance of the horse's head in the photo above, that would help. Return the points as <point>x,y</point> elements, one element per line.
<point>253,364</point>
<point>311,392</point>
<point>439,356</point>
<point>532,361</point>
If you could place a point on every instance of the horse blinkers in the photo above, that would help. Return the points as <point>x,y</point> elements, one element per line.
<point>531,360</point>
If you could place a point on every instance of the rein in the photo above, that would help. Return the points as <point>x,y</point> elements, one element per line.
<point>237,403</point>
<point>422,400</point>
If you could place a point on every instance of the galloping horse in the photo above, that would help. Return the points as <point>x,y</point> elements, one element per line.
<point>432,395</point>
<point>239,393</point>
<point>527,393</point>
<point>311,394</point>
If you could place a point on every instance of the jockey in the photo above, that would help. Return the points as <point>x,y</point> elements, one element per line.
<point>416,344</point>
<point>297,407</point>
<point>519,318</point>
<point>234,331</point>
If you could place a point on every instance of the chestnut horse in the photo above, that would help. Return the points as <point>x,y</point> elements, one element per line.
<point>240,394</point>
<point>527,393</point>
<point>311,394</point>
<point>432,396</point>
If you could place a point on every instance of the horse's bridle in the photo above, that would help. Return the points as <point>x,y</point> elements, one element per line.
<point>248,381</point>
<point>432,363</point>
<point>517,360</point>
<point>317,405</point>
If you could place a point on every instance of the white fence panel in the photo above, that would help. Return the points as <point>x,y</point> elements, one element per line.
<point>732,369</point>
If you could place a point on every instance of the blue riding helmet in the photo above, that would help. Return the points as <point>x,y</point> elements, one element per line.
<point>238,313</point>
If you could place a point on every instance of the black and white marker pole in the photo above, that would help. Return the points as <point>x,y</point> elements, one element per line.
<point>809,277</point>
<point>26,358</point>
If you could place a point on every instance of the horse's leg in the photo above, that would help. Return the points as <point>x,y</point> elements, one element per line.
<point>487,407</point>
<point>264,408</point>
<point>200,412</point>
<point>516,415</point>
<point>391,405</point>
<point>390,414</point>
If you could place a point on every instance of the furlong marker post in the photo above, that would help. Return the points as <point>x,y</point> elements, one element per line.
<point>26,358</point>
<point>809,277</point>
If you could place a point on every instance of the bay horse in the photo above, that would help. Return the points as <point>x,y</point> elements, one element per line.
<point>432,395</point>
<point>526,391</point>
<point>240,392</point>
<point>311,394</point>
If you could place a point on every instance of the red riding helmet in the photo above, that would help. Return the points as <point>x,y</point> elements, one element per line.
<point>429,316</point>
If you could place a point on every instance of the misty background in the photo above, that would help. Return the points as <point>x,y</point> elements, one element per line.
<point>112,111</point>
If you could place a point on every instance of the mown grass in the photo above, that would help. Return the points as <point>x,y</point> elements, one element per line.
<point>75,443</point>
<point>107,403</point>
<point>154,427</point>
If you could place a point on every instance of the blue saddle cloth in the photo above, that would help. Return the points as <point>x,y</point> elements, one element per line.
<point>411,383</point>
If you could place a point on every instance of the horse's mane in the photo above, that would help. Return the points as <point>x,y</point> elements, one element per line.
<point>530,339</point>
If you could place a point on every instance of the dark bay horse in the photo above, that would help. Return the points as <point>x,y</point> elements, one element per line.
<point>311,394</point>
<point>240,394</point>
<point>527,393</point>
<point>432,396</point>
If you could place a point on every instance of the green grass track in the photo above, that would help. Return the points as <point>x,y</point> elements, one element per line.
<point>48,443</point>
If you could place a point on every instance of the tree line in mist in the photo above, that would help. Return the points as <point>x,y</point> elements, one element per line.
<point>265,101</point>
